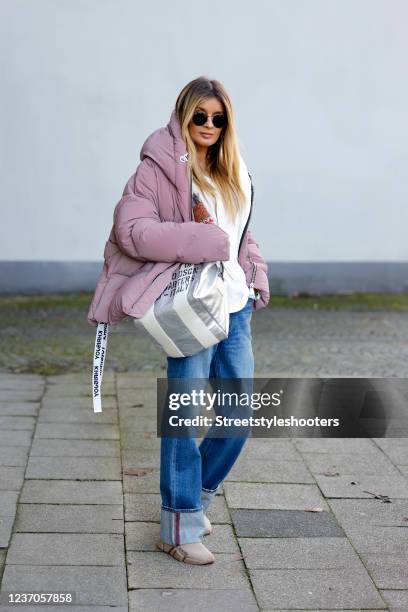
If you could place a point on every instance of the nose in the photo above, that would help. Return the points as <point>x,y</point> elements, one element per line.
<point>209,122</point>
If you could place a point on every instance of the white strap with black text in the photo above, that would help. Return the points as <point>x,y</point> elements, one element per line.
<point>101,340</point>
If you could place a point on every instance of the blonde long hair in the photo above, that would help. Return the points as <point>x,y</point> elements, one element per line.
<point>223,157</point>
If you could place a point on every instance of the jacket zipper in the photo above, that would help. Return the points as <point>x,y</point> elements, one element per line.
<point>249,216</point>
<point>191,196</point>
<point>254,266</point>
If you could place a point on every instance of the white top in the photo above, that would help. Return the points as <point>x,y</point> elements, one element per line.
<point>234,276</point>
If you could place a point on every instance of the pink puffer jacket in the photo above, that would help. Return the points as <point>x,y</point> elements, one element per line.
<point>154,231</point>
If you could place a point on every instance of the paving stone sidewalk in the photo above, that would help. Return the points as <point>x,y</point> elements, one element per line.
<point>74,516</point>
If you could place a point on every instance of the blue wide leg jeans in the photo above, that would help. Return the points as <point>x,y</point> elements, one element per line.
<point>190,474</point>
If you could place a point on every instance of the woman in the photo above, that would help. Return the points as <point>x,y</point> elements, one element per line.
<point>164,219</point>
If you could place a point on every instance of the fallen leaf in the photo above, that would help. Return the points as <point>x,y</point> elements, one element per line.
<point>138,471</point>
<point>384,498</point>
<point>314,509</point>
<point>329,473</point>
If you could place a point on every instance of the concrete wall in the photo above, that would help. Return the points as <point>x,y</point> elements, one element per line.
<point>320,95</point>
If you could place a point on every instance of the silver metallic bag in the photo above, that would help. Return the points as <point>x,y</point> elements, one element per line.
<point>192,312</point>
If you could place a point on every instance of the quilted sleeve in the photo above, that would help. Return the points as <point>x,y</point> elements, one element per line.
<point>142,235</point>
<point>261,281</point>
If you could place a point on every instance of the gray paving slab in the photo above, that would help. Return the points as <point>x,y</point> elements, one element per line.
<point>141,424</point>
<point>21,395</point>
<point>16,422</point>
<point>394,485</point>
<point>285,524</point>
<point>344,463</point>
<point>13,456</point>
<point>299,553</point>
<point>197,600</point>
<point>15,438</point>
<point>21,381</point>
<point>83,431</point>
<point>132,398</point>
<point>159,570</point>
<point>388,570</point>
<point>71,518</point>
<point>19,409</point>
<point>92,585</point>
<point>358,446</point>
<point>396,449</point>
<point>74,448</point>
<point>315,589</point>
<point>77,390</point>
<point>8,503</point>
<point>396,600</point>
<point>146,441</point>
<point>142,507</point>
<point>77,378</point>
<point>66,549</point>
<point>141,458</point>
<point>270,449</point>
<point>363,513</point>
<point>131,394</point>
<point>131,440</point>
<point>69,468</point>
<point>222,540</point>
<point>6,526</point>
<point>403,469</point>
<point>78,415</point>
<point>131,413</point>
<point>388,540</point>
<point>218,511</point>
<point>71,492</point>
<point>3,553</point>
<point>270,470</point>
<point>11,478</point>
<point>75,403</point>
<point>273,496</point>
<point>142,536</point>
<point>148,483</point>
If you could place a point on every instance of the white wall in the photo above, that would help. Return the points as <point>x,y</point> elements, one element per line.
<point>320,92</point>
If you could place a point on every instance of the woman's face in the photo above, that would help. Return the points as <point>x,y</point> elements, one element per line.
<point>207,134</point>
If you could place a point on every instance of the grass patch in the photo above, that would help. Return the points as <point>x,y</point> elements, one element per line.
<point>347,301</point>
<point>338,301</point>
<point>50,300</point>
<point>49,334</point>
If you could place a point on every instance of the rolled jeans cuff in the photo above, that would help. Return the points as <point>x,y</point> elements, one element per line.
<point>181,527</point>
<point>207,497</point>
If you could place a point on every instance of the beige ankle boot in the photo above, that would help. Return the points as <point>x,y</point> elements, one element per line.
<point>194,553</point>
<point>208,526</point>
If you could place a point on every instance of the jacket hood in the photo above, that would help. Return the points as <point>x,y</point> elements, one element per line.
<point>166,147</point>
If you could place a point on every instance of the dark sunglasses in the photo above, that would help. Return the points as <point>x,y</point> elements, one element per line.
<point>219,121</point>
